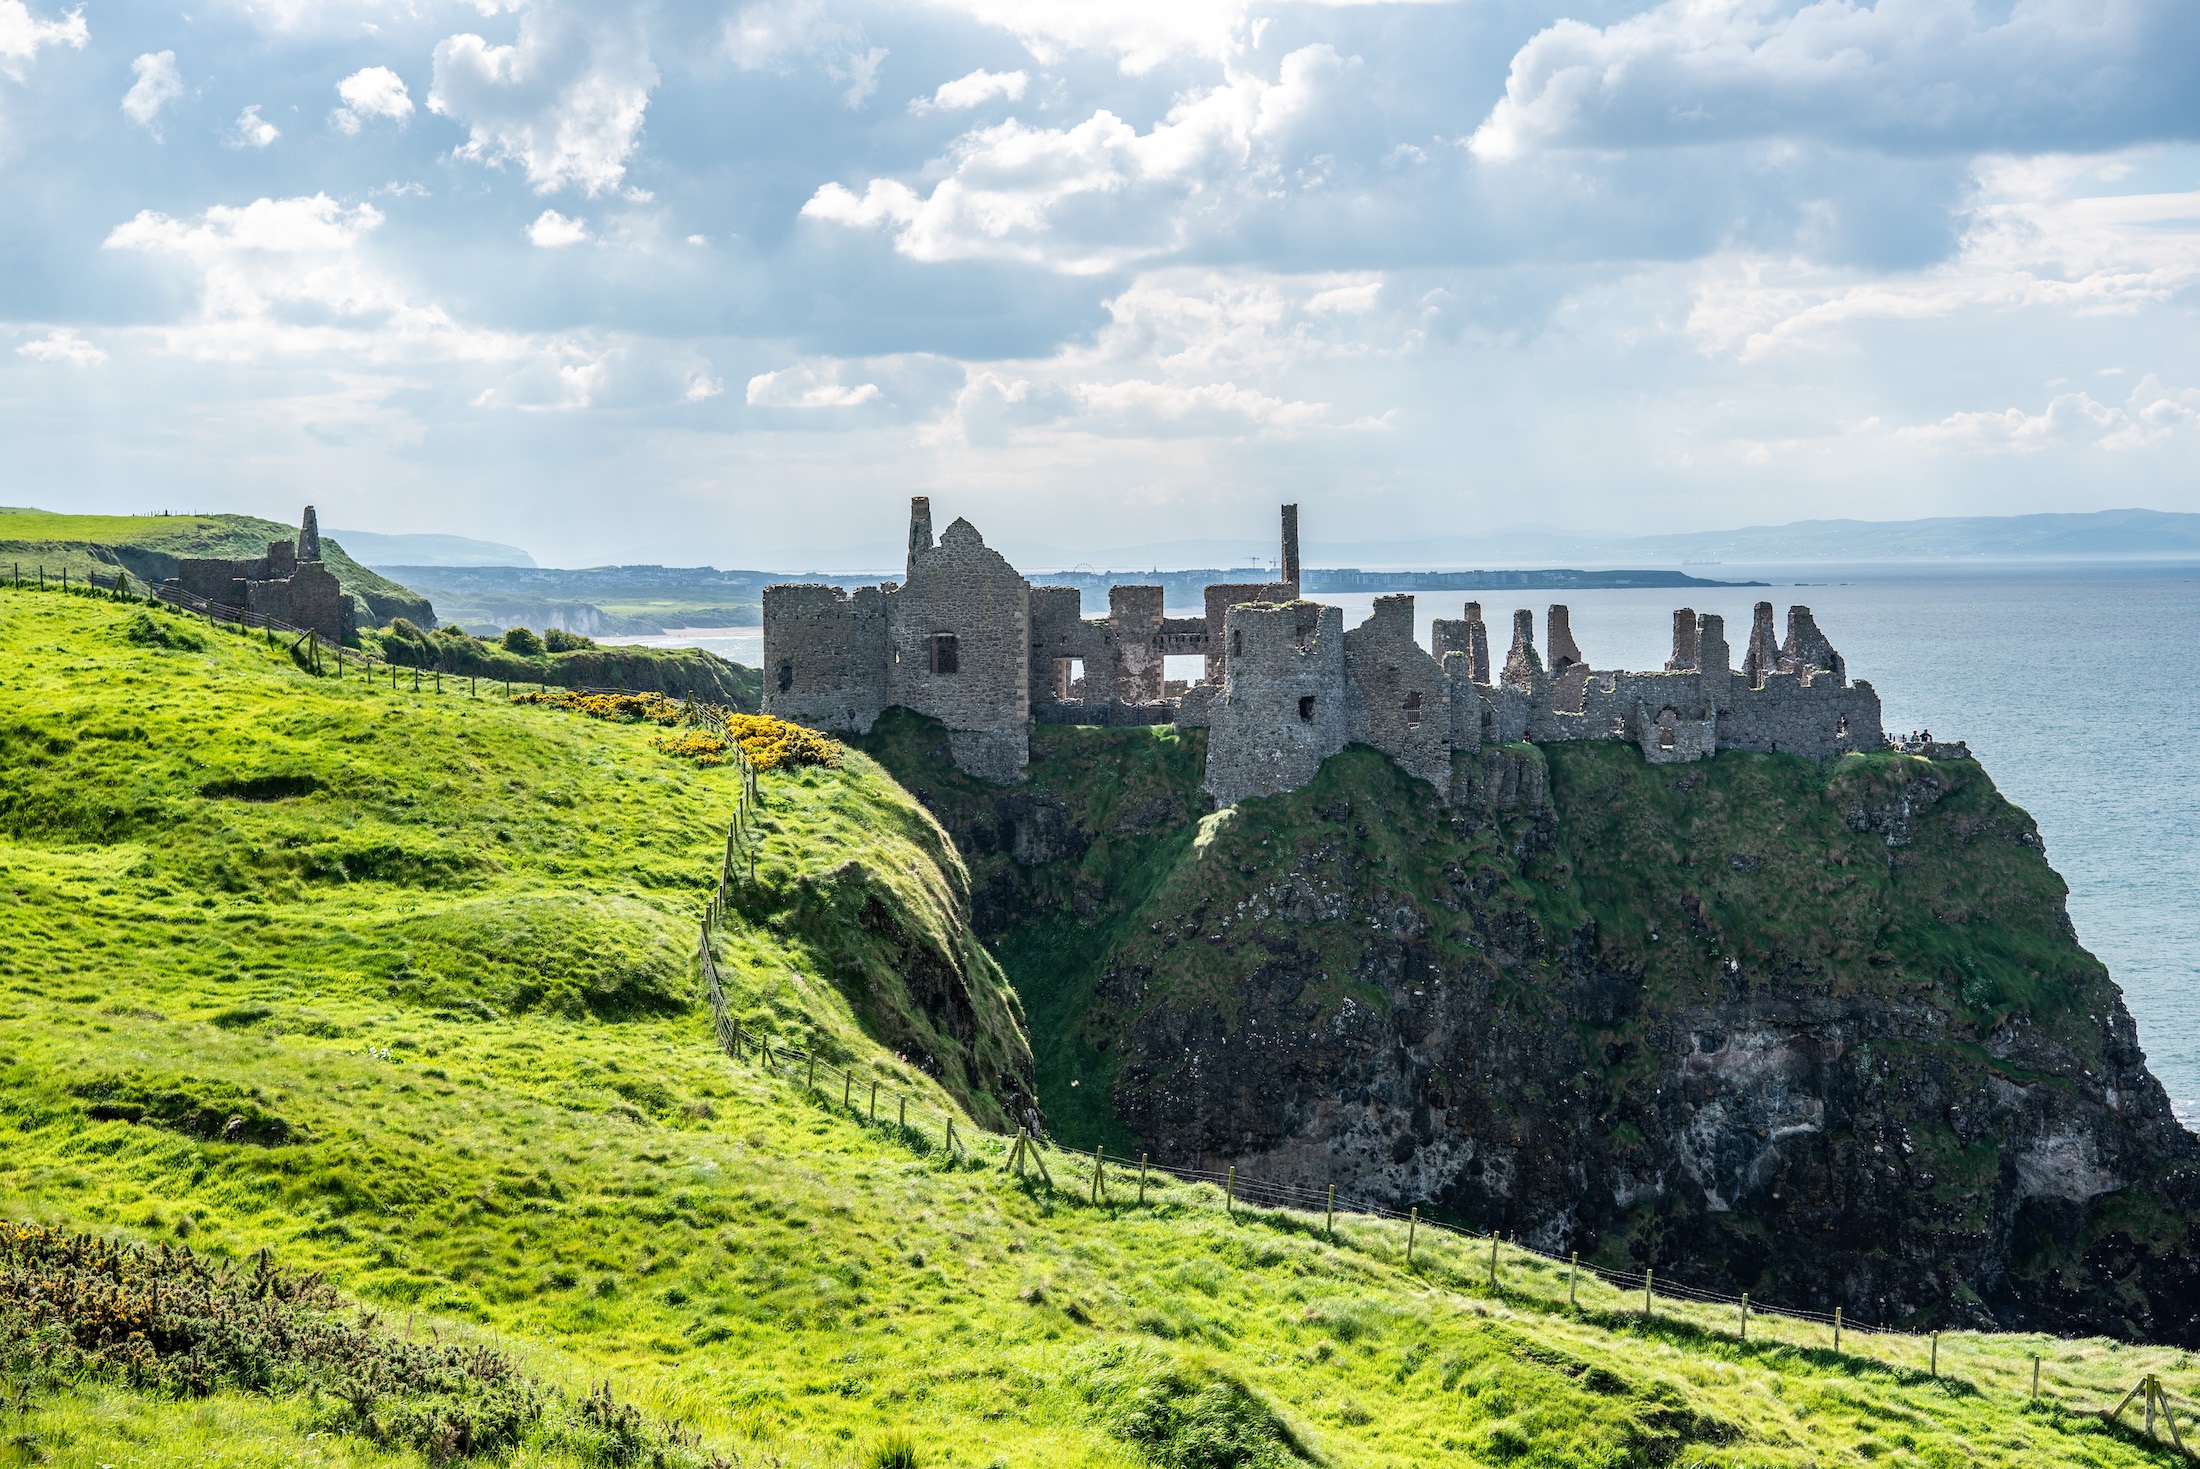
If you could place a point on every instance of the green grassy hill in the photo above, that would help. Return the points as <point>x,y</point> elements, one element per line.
<point>401,988</point>
<point>148,547</point>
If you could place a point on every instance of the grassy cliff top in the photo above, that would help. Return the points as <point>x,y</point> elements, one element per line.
<point>148,547</point>
<point>432,956</point>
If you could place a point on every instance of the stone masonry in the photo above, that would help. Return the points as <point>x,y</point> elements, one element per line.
<point>968,641</point>
<point>288,584</point>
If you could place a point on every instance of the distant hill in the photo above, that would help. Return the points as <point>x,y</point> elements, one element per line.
<point>148,547</point>
<point>381,551</point>
<point>2136,534</point>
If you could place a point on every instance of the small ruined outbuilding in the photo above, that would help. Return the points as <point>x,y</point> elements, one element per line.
<point>968,641</point>
<point>288,584</point>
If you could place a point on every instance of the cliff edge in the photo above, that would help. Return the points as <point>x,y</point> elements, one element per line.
<point>1821,1032</point>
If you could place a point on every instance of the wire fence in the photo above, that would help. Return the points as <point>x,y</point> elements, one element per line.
<point>1493,1263</point>
<point>1459,1257</point>
<point>312,651</point>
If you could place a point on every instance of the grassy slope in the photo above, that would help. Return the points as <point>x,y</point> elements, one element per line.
<point>148,546</point>
<point>682,672</point>
<point>453,975</point>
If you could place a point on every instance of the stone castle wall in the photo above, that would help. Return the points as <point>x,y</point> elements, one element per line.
<point>289,584</point>
<point>1283,709</point>
<point>968,641</point>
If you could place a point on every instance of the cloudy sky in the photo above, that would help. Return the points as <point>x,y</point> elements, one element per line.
<point>728,281</point>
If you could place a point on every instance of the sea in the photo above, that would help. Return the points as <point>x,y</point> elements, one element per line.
<point>2068,681</point>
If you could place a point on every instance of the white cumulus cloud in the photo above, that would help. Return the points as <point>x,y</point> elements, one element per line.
<point>2070,420</point>
<point>251,130</point>
<point>552,230</point>
<point>806,386</point>
<point>370,93</point>
<point>974,90</point>
<point>1092,197</point>
<point>565,101</point>
<point>158,84</point>
<point>1918,73</point>
<point>23,35</point>
<point>64,347</point>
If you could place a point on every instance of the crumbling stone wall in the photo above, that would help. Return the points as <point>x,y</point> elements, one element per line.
<point>966,640</point>
<point>1220,598</point>
<point>958,648</point>
<point>825,655</point>
<point>1399,700</point>
<point>1283,707</point>
<point>288,584</point>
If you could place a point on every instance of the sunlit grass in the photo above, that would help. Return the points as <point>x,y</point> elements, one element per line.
<point>507,1118</point>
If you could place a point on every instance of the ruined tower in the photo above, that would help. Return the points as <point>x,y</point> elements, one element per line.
<point>1763,656</point>
<point>1685,642</point>
<point>1290,571</point>
<point>920,527</point>
<point>309,537</point>
<point>1522,667</point>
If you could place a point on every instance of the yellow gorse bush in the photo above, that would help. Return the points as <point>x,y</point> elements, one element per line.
<point>703,749</point>
<point>650,708</point>
<point>776,744</point>
<point>769,742</point>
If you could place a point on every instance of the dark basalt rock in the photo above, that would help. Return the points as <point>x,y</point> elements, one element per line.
<point>1823,1034</point>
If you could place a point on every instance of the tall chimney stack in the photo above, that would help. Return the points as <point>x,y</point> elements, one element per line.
<point>920,527</point>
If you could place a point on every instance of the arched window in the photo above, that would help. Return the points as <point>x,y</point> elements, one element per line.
<point>1666,720</point>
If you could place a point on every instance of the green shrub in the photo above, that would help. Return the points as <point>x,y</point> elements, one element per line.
<point>406,628</point>
<point>558,640</point>
<point>148,631</point>
<point>522,641</point>
<point>897,1450</point>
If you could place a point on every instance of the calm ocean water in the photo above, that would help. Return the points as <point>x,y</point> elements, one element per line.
<point>2068,682</point>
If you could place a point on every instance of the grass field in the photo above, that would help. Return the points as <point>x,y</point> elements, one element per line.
<point>435,955</point>
<point>148,546</point>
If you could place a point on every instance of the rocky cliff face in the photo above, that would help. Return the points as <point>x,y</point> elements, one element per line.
<point>1820,1033</point>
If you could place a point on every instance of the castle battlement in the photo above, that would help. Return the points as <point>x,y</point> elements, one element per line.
<point>288,584</point>
<point>968,641</point>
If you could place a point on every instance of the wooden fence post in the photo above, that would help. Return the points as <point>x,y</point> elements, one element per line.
<point>1229,1193</point>
<point>2035,1370</point>
<point>1097,1153</point>
<point>847,1086</point>
<point>1573,1263</point>
<point>951,1136</point>
<point>1646,1296</point>
<point>903,1120</point>
<point>1329,1220</point>
<point>874,1099</point>
<point>1934,1369</point>
<point>811,1083</point>
<point>1141,1179</point>
<point>1837,1334</point>
<point>1745,1315</point>
<point>1493,1259</point>
<point>1413,1227</point>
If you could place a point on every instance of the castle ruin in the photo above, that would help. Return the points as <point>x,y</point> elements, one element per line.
<point>1286,685</point>
<point>288,584</point>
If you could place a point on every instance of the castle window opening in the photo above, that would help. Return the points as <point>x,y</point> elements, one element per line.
<point>1666,720</point>
<point>1306,709</point>
<point>1184,669</point>
<point>1237,642</point>
<point>1413,710</point>
<point>1069,680</point>
<point>786,677</point>
<point>945,658</point>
